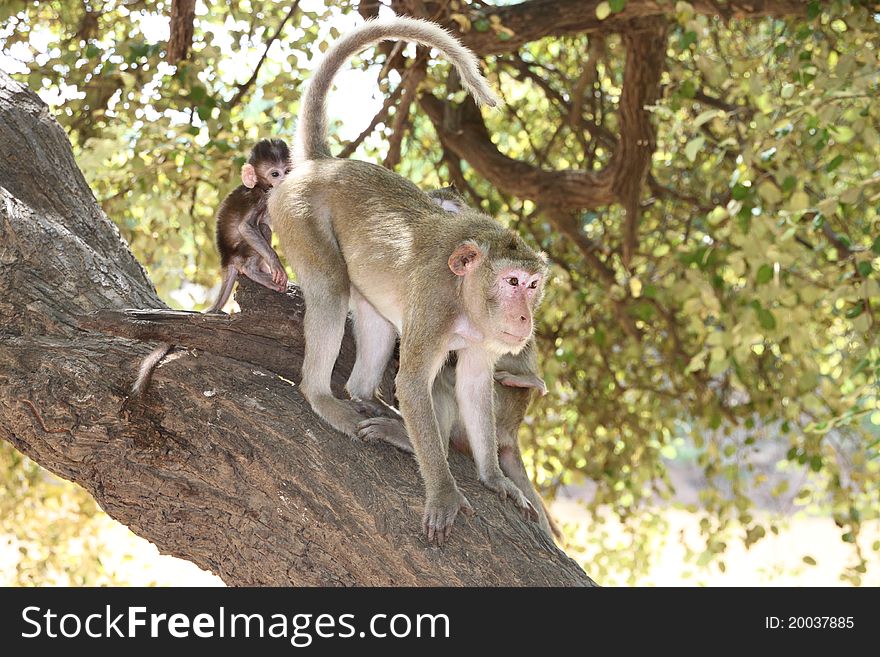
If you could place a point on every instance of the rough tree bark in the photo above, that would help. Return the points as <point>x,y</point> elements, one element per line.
<point>224,464</point>
<point>183,14</point>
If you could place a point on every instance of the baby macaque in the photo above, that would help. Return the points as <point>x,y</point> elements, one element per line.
<point>244,237</point>
<point>244,231</point>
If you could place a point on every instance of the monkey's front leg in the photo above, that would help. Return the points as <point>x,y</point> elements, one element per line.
<point>475,394</point>
<point>418,366</point>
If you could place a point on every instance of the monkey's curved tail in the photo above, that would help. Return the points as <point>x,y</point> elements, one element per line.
<point>311,142</point>
<point>148,365</point>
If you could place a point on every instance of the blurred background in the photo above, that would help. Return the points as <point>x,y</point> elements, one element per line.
<point>709,336</point>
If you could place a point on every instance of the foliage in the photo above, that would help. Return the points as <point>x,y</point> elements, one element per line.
<point>755,282</point>
<point>50,531</point>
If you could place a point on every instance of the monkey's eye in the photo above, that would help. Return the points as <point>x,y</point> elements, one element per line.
<point>275,174</point>
<point>286,171</point>
<point>513,280</point>
<point>533,285</point>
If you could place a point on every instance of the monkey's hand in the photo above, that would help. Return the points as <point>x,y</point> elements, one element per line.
<point>507,489</point>
<point>440,513</point>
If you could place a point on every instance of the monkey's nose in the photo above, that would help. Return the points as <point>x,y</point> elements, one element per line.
<point>523,318</point>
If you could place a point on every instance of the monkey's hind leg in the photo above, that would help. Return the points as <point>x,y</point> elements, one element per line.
<point>512,465</point>
<point>253,268</point>
<point>385,429</point>
<point>324,280</point>
<point>375,337</point>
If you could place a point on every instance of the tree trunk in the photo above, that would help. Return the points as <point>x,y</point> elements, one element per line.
<point>223,463</point>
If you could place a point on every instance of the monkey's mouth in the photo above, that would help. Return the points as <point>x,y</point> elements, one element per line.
<point>513,338</point>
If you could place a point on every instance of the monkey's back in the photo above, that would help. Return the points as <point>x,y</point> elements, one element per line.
<point>231,212</point>
<point>379,217</point>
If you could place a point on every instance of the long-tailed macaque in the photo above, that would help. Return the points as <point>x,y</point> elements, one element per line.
<point>516,384</point>
<point>357,234</point>
<point>244,238</point>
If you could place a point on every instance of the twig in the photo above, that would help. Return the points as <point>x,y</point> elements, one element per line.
<point>243,88</point>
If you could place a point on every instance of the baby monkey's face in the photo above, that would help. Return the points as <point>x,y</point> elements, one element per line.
<point>272,173</point>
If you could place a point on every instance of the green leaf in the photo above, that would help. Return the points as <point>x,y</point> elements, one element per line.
<point>740,192</point>
<point>687,39</point>
<point>810,561</point>
<point>617,5</point>
<point>856,310</point>
<point>769,192</point>
<point>603,10</point>
<point>865,268</point>
<point>799,201</point>
<point>766,319</point>
<point>834,163</point>
<point>875,247</point>
<point>708,115</point>
<point>765,274</point>
<point>693,147</point>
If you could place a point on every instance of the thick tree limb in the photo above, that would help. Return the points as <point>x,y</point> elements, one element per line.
<point>224,463</point>
<point>645,60</point>
<point>538,19</point>
<point>183,14</point>
<point>570,188</point>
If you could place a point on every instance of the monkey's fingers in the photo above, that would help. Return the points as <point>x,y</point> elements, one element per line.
<point>279,277</point>
<point>507,489</point>
<point>529,512</point>
<point>440,516</point>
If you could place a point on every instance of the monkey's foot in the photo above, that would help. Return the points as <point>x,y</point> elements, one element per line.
<point>387,430</point>
<point>339,414</point>
<point>375,408</point>
<point>507,489</point>
<point>440,513</point>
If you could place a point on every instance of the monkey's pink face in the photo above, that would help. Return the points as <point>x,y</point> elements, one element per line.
<point>265,174</point>
<point>516,293</point>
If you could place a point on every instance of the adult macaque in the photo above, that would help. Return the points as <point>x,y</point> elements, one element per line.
<point>356,233</point>
<point>244,238</point>
<point>516,384</point>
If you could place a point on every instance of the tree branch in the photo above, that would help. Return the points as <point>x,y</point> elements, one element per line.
<point>183,14</point>
<point>645,61</point>
<point>539,19</point>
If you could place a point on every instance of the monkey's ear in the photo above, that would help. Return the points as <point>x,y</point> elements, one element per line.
<point>249,176</point>
<point>521,381</point>
<point>465,258</point>
<point>448,204</point>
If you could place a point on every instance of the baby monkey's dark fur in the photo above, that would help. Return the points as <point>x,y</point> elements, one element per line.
<point>244,238</point>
